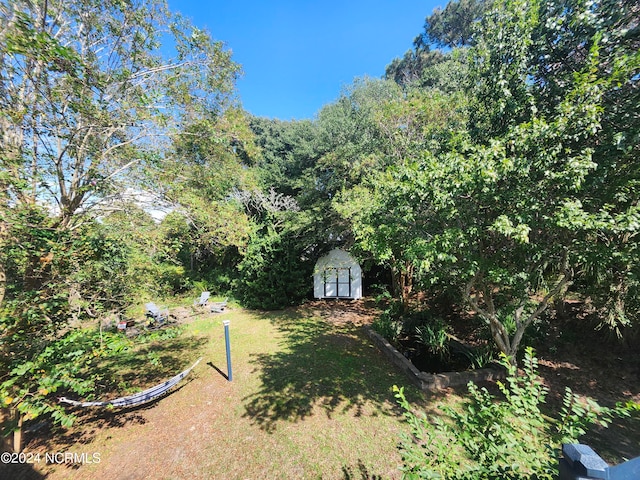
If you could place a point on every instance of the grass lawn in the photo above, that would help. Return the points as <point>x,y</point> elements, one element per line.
<point>310,398</point>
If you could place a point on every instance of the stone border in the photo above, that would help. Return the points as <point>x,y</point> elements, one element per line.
<point>433,382</point>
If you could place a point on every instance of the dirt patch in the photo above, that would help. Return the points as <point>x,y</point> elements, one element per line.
<point>341,312</point>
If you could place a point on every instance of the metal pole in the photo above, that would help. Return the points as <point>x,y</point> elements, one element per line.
<point>227,343</point>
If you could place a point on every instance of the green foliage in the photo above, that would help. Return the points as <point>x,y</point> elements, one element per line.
<point>109,98</point>
<point>273,273</point>
<point>159,335</point>
<point>498,172</point>
<point>500,63</point>
<point>199,179</point>
<point>510,197</point>
<point>288,151</point>
<point>411,68</point>
<point>53,275</point>
<point>59,367</point>
<point>56,278</point>
<point>129,257</point>
<point>388,326</point>
<point>630,407</point>
<point>491,438</point>
<point>454,25</point>
<point>100,115</point>
<point>577,415</point>
<point>479,357</point>
<point>390,220</point>
<point>435,337</point>
<point>380,294</point>
<point>451,28</point>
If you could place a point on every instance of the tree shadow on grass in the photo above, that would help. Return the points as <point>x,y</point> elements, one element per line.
<point>148,364</point>
<point>362,474</point>
<point>321,365</point>
<point>602,368</point>
<point>132,369</point>
<point>17,471</point>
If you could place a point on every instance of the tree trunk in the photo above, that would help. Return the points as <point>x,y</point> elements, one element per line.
<point>17,433</point>
<point>403,283</point>
<point>507,344</point>
<point>396,282</point>
<point>7,441</point>
<point>3,282</point>
<point>560,306</point>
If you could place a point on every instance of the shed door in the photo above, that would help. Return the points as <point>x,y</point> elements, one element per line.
<point>337,282</point>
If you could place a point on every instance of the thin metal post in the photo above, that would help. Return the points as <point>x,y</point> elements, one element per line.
<point>228,344</point>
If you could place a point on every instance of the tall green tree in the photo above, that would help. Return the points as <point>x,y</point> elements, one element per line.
<point>384,221</point>
<point>207,166</point>
<point>435,59</point>
<point>410,69</point>
<point>453,26</point>
<point>288,152</point>
<point>608,209</point>
<point>500,213</point>
<point>79,122</point>
<point>350,143</point>
<point>92,95</point>
<point>276,267</point>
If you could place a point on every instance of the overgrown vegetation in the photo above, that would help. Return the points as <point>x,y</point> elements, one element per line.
<point>498,173</point>
<point>509,437</point>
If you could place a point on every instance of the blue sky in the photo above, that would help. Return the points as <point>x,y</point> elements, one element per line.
<point>298,55</point>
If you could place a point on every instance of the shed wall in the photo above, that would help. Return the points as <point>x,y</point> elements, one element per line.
<point>337,275</point>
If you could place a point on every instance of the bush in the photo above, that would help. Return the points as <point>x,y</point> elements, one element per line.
<point>63,366</point>
<point>387,326</point>
<point>489,438</point>
<point>273,274</point>
<point>435,338</point>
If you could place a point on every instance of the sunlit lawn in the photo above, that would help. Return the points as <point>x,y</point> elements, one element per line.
<point>313,400</point>
<point>309,399</point>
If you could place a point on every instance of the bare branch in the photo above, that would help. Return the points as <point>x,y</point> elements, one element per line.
<point>271,202</point>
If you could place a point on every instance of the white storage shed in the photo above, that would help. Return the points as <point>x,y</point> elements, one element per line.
<point>337,275</point>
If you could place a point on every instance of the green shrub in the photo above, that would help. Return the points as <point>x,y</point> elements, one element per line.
<point>381,294</point>
<point>217,280</point>
<point>480,357</point>
<point>491,438</point>
<point>387,326</point>
<point>63,366</point>
<point>273,273</point>
<point>413,319</point>
<point>435,338</point>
